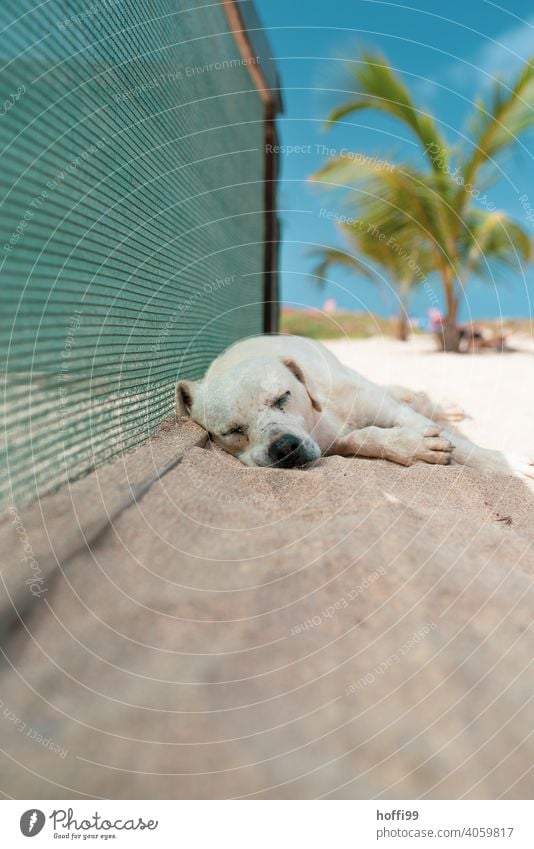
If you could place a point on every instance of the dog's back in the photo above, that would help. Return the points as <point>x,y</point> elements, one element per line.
<point>309,352</point>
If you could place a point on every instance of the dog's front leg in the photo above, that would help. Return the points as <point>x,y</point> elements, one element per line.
<point>467,453</point>
<point>403,445</point>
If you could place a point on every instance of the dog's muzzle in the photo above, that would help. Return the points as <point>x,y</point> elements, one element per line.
<point>289,452</point>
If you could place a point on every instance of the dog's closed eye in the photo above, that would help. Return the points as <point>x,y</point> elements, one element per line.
<point>237,430</point>
<point>279,403</point>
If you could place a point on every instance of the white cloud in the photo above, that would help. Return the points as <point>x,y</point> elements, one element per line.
<point>496,58</point>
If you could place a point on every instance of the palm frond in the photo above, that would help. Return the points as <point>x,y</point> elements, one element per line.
<point>327,257</point>
<point>408,262</point>
<point>497,124</point>
<point>398,200</point>
<point>493,240</point>
<point>377,86</point>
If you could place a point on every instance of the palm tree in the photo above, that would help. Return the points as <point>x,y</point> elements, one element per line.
<point>406,269</point>
<point>439,204</point>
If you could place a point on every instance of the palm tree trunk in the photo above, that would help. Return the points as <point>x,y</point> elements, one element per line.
<point>402,326</point>
<point>449,338</point>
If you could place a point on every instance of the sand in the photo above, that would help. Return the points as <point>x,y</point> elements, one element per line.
<point>355,630</point>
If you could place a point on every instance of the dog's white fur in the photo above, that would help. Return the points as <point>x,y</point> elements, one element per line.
<point>286,400</point>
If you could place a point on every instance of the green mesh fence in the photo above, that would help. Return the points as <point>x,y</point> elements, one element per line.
<point>132,221</point>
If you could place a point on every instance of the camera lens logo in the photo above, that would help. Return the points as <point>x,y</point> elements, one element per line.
<point>31,822</point>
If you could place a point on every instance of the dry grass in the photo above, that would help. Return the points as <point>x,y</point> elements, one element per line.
<point>340,325</point>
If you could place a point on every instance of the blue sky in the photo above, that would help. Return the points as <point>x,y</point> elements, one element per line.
<point>447,53</point>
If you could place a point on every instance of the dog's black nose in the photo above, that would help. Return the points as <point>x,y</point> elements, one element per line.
<point>286,451</point>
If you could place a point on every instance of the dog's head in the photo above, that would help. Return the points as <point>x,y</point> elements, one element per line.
<point>262,411</point>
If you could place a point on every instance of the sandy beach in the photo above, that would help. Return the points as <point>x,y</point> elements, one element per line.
<point>207,630</point>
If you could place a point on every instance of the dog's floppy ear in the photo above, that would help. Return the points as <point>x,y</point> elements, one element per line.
<point>185,393</point>
<point>306,382</point>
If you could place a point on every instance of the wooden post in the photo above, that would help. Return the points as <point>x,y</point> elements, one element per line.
<point>252,43</point>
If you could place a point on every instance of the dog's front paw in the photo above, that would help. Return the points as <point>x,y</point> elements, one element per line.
<point>451,413</point>
<point>433,447</point>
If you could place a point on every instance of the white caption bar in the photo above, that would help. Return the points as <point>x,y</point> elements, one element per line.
<point>268,824</point>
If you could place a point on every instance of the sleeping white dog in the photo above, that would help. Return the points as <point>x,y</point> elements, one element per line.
<point>284,401</point>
